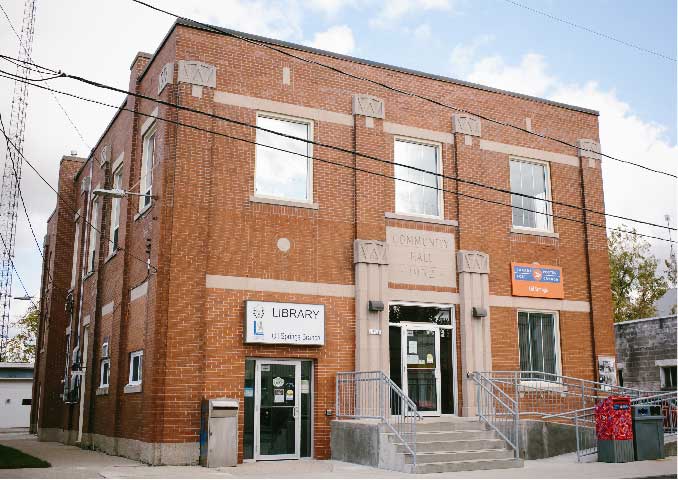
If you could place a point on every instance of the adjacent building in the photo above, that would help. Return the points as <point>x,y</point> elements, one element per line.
<point>16,384</point>
<point>285,223</point>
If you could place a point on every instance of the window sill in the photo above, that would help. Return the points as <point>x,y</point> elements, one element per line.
<point>286,203</point>
<point>132,388</point>
<point>537,233</point>
<point>531,385</point>
<point>102,391</point>
<point>111,255</point>
<point>89,274</point>
<point>143,212</point>
<point>420,218</point>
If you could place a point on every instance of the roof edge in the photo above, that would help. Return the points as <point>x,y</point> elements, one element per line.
<point>627,322</point>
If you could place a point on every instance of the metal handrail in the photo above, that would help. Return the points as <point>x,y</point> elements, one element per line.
<point>373,395</point>
<point>502,416</point>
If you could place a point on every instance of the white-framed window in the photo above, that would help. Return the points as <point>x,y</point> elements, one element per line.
<point>76,249</point>
<point>418,192</point>
<point>667,377</point>
<point>105,372</point>
<point>115,213</point>
<point>147,163</point>
<point>532,178</point>
<point>93,237</point>
<point>538,341</point>
<point>285,175</point>
<point>135,367</point>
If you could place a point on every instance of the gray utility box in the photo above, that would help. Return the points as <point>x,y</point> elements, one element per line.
<point>219,433</point>
<point>648,432</point>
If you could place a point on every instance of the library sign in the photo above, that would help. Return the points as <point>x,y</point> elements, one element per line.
<point>284,323</point>
<point>534,280</point>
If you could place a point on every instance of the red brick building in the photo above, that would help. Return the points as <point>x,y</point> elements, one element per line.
<point>245,258</point>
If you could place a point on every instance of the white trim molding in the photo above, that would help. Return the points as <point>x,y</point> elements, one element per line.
<point>139,291</point>
<point>397,295</point>
<point>225,282</point>
<point>529,153</point>
<point>423,133</point>
<point>107,309</point>
<point>540,303</point>
<point>669,362</point>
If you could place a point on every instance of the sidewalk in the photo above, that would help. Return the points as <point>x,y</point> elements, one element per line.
<point>72,462</point>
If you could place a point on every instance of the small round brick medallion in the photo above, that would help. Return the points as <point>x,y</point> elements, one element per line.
<point>283,244</point>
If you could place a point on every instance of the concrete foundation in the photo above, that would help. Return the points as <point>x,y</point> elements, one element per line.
<point>539,439</point>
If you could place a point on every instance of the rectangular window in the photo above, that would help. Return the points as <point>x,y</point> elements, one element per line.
<point>668,377</point>
<point>76,246</point>
<point>135,367</point>
<point>147,164</point>
<point>93,237</point>
<point>105,372</point>
<point>537,343</point>
<point>417,192</point>
<point>286,175</point>
<point>115,213</point>
<point>532,179</point>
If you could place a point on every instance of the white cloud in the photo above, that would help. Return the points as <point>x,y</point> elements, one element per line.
<point>463,54</point>
<point>393,11</point>
<point>278,19</point>
<point>629,191</point>
<point>422,32</point>
<point>330,7</point>
<point>338,38</point>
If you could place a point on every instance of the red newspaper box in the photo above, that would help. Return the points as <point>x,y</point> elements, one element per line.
<point>614,429</point>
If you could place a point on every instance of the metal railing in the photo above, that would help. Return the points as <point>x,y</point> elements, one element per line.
<point>373,395</point>
<point>498,410</point>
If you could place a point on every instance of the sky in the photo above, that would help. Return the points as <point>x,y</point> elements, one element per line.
<point>492,42</point>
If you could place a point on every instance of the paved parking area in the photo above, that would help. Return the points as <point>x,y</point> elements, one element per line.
<point>73,462</point>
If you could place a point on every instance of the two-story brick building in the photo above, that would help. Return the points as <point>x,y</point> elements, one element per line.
<point>252,265</point>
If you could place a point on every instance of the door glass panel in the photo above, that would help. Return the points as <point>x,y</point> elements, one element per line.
<point>446,372</point>
<point>248,434</point>
<point>306,407</point>
<point>395,355</point>
<point>421,368</point>
<point>277,432</point>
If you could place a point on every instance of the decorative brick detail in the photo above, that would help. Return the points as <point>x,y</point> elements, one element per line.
<point>105,155</point>
<point>473,262</point>
<point>588,149</point>
<point>466,124</point>
<point>165,77</point>
<point>369,251</point>
<point>197,73</point>
<point>368,105</point>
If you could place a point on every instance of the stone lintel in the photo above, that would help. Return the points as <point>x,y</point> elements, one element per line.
<point>197,73</point>
<point>473,262</point>
<point>587,148</point>
<point>466,124</point>
<point>369,251</point>
<point>368,105</point>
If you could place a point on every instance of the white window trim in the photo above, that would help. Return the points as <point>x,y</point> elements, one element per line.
<point>115,219</point>
<point>76,250</point>
<point>132,355</point>
<point>93,232</point>
<point>662,376</point>
<point>309,179</point>
<point>439,165</point>
<point>549,200</point>
<point>151,130</point>
<point>556,348</point>
<point>101,373</point>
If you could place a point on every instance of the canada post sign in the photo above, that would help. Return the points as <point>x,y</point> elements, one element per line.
<point>532,280</point>
<point>284,323</point>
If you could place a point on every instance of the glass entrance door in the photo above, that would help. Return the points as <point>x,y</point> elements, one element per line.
<point>421,361</point>
<point>277,415</point>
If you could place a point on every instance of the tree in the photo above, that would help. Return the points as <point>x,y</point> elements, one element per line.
<point>636,286</point>
<point>21,347</point>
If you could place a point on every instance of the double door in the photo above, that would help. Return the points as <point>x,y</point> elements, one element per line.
<point>277,409</point>
<point>420,349</point>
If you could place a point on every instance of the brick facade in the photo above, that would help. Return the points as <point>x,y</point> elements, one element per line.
<point>204,223</point>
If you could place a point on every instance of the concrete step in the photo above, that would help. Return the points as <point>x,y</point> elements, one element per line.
<point>467,465</point>
<point>485,454</point>
<point>444,435</point>
<point>453,445</point>
<point>434,426</point>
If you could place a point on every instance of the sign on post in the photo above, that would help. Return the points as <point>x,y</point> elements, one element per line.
<point>284,323</point>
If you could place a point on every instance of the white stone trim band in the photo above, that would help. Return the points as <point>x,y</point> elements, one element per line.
<point>139,291</point>
<point>540,303</point>
<point>422,133</point>
<point>148,122</point>
<point>529,153</point>
<point>224,282</point>
<point>422,296</point>
<point>255,103</point>
<point>107,309</point>
<point>669,362</point>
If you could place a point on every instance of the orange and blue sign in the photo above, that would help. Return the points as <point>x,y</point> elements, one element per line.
<point>534,280</point>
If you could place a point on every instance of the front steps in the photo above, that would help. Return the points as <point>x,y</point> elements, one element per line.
<point>450,444</point>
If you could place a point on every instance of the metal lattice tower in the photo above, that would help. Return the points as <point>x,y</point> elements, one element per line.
<point>11,173</point>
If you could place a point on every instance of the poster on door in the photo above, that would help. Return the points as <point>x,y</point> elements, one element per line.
<point>534,280</point>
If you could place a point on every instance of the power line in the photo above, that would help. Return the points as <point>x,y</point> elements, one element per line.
<point>16,272</point>
<point>590,30</point>
<point>314,157</point>
<point>395,89</point>
<point>343,150</point>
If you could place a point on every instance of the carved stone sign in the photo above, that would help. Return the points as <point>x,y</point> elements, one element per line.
<point>368,105</point>
<point>466,124</point>
<point>197,73</point>
<point>421,258</point>
<point>588,148</point>
<point>473,262</point>
<point>369,251</point>
<point>165,77</point>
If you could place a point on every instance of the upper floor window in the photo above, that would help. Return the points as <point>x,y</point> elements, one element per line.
<point>147,163</point>
<point>537,343</point>
<point>284,174</point>
<point>76,251</point>
<point>135,367</point>
<point>416,191</point>
<point>115,212</point>
<point>105,372</point>
<point>93,237</point>
<point>534,210</point>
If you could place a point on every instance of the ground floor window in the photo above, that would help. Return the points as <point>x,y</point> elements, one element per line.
<point>278,409</point>
<point>668,377</point>
<point>537,341</point>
